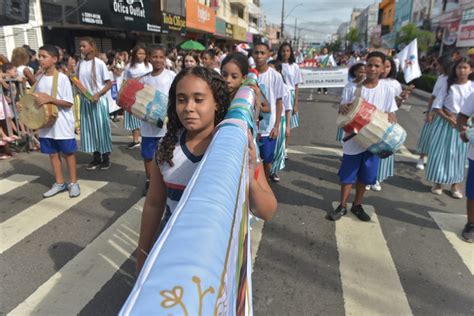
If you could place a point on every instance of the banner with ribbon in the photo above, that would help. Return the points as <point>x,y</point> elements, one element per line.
<point>201,263</point>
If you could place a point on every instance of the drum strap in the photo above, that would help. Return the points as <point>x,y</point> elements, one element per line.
<point>54,88</point>
<point>358,91</point>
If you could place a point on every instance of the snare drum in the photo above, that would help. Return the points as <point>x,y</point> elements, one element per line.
<point>360,114</point>
<point>144,102</point>
<point>34,116</point>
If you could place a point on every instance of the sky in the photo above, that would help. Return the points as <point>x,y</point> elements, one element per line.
<point>317,19</point>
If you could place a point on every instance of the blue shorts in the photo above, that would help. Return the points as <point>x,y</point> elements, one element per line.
<point>470,181</point>
<point>362,167</point>
<point>267,148</point>
<point>53,146</point>
<point>148,147</point>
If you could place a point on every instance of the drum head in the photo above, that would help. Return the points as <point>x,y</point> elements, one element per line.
<point>343,120</point>
<point>37,117</point>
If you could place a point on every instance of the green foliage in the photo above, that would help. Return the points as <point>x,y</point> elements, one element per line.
<point>410,31</point>
<point>425,82</point>
<point>334,46</point>
<point>353,36</point>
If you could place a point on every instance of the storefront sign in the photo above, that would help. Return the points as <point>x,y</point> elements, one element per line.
<point>240,33</point>
<point>220,27</point>
<point>466,34</point>
<point>200,17</point>
<point>324,78</point>
<point>173,22</point>
<point>133,15</point>
<point>229,30</point>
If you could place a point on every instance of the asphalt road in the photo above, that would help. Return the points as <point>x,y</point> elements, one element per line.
<point>407,260</point>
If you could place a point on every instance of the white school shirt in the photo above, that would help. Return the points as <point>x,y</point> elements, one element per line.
<point>395,85</point>
<point>468,110</point>
<point>440,84</point>
<point>85,74</point>
<point>348,91</point>
<point>287,101</point>
<point>136,71</point>
<point>292,74</point>
<point>382,96</point>
<point>118,82</point>
<point>21,73</point>
<point>162,83</point>
<point>272,86</point>
<point>455,98</point>
<point>63,128</point>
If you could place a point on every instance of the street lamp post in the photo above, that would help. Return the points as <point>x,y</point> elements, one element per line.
<point>283,17</point>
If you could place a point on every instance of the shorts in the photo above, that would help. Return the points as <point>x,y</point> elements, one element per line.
<point>148,147</point>
<point>362,167</point>
<point>53,146</point>
<point>267,146</point>
<point>470,181</point>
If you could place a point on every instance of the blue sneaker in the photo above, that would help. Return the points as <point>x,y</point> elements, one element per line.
<point>55,189</point>
<point>74,190</point>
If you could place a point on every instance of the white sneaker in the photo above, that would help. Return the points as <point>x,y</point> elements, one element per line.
<point>420,165</point>
<point>437,189</point>
<point>376,187</point>
<point>74,190</point>
<point>456,194</point>
<point>55,189</point>
<point>367,187</point>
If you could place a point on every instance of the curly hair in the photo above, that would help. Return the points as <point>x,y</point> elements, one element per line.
<point>220,93</point>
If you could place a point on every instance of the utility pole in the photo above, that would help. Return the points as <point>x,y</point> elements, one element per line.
<point>296,25</point>
<point>282,27</point>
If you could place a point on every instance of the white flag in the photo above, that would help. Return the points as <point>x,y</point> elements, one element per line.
<point>408,58</point>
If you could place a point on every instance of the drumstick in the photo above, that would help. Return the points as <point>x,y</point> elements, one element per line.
<point>81,87</point>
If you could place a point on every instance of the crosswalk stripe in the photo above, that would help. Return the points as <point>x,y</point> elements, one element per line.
<point>451,225</point>
<point>69,290</point>
<point>19,226</point>
<point>370,282</point>
<point>15,181</point>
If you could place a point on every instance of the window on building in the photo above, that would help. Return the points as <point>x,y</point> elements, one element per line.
<point>174,6</point>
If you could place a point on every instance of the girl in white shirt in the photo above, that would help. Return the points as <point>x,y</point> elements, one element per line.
<point>138,67</point>
<point>447,154</point>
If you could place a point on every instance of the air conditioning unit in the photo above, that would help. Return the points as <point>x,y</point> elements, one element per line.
<point>14,12</point>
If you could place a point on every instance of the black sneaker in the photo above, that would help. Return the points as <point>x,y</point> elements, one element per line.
<point>94,164</point>
<point>145,189</point>
<point>468,233</point>
<point>358,211</point>
<point>336,214</point>
<point>274,177</point>
<point>106,164</point>
<point>133,145</point>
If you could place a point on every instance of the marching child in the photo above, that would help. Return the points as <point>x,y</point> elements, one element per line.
<point>161,79</point>
<point>447,155</point>
<point>138,67</point>
<point>467,112</point>
<point>54,87</point>
<point>271,83</point>
<point>96,135</point>
<point>359,166</point>
<point>198,101</point>
<point>285,129</point>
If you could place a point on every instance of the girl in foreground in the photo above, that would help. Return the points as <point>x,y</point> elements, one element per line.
<point>198,101</point>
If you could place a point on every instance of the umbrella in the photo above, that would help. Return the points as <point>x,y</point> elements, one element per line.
<point>243,46</point>
<point>192,45</point>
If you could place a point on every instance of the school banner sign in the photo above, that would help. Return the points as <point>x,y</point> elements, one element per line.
<point>324,77</point>
<point>201,263</point>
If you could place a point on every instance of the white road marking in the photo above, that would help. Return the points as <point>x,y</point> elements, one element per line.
<point>403,154</point>
<point>451,226</point>
<point>311,95</point>
<point>25,223</point>
<point>15,181</point>
<point>370,281</point>
<point>69,290</point>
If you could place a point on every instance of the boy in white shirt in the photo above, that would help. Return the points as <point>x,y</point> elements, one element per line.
<point>359,166</point>
<point>54,87</point>
<point>272,86</point>
<point>467,111</point>
<point>161,79</point>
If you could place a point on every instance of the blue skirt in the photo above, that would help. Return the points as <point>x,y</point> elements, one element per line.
<point>96,134</point>
<point>423,144</point>
<point>131,122</point>
<point>447,154</point>
<point>279,156</point>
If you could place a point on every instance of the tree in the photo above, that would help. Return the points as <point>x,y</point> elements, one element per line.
<point>334,46</point>
<point>352,37</point>
<point>410,31</point>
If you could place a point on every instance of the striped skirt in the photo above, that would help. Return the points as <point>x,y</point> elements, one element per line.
<point>95,126</point>
<point>423,143</point>
<point>295,117</point>
<point>447,154</point>
<point>279,156</point>
<point>131,122</point>
<point>386,167</point>
<point>339,134</point>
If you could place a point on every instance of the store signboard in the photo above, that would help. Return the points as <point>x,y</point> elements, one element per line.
<point>240,33</point>
<point>200,17</point>
<point>173,22</point>
<point>134,15</point>
<point>220,27</point>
